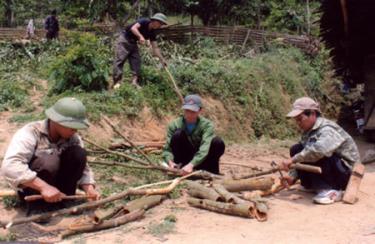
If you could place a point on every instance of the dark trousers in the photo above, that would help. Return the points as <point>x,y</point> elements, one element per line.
<point>125,50</point>
<point>62,171</point>
<point>183,152</point>
<point>335,174</point>
<point>52,35</point>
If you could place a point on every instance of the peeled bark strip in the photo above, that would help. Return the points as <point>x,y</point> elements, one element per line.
<point>243,210</point>
<point>103,214</point>
<point>143,203</point>
<point>248,184</point>
<point>200,191</point>
<point>105,225</point>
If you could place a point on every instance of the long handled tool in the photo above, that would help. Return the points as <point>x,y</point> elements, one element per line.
<point>175,87</point>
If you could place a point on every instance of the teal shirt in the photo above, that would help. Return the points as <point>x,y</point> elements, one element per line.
<point>200,137</point>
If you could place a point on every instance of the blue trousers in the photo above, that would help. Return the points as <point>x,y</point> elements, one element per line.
<point>335,174</point>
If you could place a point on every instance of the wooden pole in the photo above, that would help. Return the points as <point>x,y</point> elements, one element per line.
<point>39,197</point>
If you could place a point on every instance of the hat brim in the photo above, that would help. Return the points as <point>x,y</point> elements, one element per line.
<point>294,113</point>
<point>67,122</point>
<point>161,21</point>
<point>194,108</point>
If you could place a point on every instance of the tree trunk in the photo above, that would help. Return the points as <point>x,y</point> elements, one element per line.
<point>9,13</point>
<point>248,184</point>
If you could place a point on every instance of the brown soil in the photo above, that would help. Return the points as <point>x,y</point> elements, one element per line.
<point>292,217</point>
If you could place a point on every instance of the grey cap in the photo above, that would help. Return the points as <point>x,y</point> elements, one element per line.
<point>192,102</point>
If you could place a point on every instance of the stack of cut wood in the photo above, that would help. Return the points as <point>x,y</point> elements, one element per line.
<point>221,196</point>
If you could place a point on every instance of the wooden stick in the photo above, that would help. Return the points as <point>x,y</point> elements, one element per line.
<point>72,197</point>
<point>242,165</point>
<point>90,205</point>
<point>115,129</point>
<point>7,193</point>
<point>106,224</point>
<point>177,90</point>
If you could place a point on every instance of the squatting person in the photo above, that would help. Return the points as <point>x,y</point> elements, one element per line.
<point>191,142</point>
<point>47,157</point>
<point>324,144</point>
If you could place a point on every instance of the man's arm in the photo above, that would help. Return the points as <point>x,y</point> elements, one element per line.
<point>325,145</point>
<point>135,30</point>
<point>48,192</point>
<point>156,52</point>
<point>167,151</point>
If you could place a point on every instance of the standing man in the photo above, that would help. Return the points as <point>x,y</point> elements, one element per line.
<point>51,25</point>
<point>324,144</point>
<point>191,142</point>
<point>127,48</point>
<point>47,157</point>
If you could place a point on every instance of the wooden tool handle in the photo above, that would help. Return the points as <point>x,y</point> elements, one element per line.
<point>39,197</point>
<point>307,168</point>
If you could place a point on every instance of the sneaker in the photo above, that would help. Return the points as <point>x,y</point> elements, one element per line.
<point>328,196</point>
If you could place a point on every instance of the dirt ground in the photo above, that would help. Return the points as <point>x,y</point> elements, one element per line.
<point>292,216</point>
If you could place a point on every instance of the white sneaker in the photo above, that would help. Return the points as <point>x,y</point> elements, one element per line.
<point>328,196</point>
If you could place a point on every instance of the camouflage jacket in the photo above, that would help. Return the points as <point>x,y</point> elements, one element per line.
<point>325,139</point>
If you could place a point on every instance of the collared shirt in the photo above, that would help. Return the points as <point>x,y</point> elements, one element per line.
<point>28,141</point>
<point>325,139</point>
<point>200,137</point>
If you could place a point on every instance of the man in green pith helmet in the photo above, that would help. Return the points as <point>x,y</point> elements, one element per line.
<point>47,157</point>
<point>141,31</point>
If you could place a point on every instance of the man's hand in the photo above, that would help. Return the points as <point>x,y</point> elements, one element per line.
<point>288,180</point>
<point>51,193</point>
<point>91,192</point>
<point>172,164</point>
<point>142,40</point>
<point>187,169</point>
<point>284,165</point>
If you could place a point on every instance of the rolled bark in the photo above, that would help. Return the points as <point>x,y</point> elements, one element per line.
<point>105,225</point>
<point>228,197</point>
<point>242,210</point>
<point>141,203</point>
<point>248,184</point>
<point>200,191</point>
<point>144,203</point>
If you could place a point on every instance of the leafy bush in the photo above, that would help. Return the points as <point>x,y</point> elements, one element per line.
<point>12,95</point>
<point>84,66</point>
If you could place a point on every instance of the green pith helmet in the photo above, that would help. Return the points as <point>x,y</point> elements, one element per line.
<point>160,17</point>
<point>69,112</point>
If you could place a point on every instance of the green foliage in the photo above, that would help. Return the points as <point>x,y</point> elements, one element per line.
<point>12,95</point>
<point>81,68</point>
<point>11,201</point>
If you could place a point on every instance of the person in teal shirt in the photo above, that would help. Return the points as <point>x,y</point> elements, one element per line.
<point>191,142</point>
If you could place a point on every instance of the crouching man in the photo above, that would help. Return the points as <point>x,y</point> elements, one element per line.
<point>324,144</point>
<point>47,157</point>
<point>191,142</point>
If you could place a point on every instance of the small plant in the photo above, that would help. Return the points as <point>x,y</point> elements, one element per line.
<point>11,202</point>
<point>163,228</point>
<point>12,95</point>
<point>82,67</point>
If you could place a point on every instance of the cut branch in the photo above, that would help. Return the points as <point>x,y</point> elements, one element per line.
<point>248,184</point>
<point>200,191</point>
<point>115,129</point>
